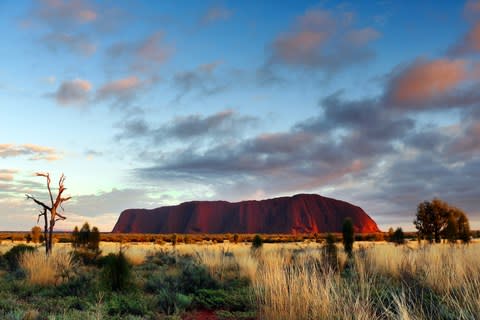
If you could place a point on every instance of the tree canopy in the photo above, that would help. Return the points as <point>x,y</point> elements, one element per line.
<point>437,219</point>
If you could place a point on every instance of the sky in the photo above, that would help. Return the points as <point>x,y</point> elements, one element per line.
<point>149,103</point>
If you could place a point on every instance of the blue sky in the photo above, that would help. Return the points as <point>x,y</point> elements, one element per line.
<point>143,104</point>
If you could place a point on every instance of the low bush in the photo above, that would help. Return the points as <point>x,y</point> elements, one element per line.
<point>80,285</point>
<point>171,302</point>
<point>13,255</point>
<point>129,304</point>
<point>220,299</point>
<point>194,277</point>
<point>235,315</point>
<point>189,279</point>
<point>162,258</point>
<point>87,257</point>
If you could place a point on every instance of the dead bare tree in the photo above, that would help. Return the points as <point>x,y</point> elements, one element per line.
<point>53,209</point>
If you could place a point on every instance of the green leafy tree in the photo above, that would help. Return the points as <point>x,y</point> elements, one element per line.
<point>432,220</point>
<point>348,236</point>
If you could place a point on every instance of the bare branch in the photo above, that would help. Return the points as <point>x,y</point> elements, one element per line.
<point>47,175</point>
<point>40,203</point>
<point>61,181</point>
<point>61,216</point>
<point>63,200</point>
<point>61,189</point>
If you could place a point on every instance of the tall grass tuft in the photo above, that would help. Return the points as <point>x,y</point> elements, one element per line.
<point>47,270</point>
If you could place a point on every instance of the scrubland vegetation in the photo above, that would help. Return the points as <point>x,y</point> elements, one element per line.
<point>304,280</point>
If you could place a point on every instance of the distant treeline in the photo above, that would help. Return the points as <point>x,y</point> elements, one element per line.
<point>67,237</point>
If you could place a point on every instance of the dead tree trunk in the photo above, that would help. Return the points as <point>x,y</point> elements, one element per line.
<point>45,230</point>
<point>52,209</point>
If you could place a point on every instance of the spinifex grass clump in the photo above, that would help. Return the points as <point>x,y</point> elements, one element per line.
<point>43,270</point>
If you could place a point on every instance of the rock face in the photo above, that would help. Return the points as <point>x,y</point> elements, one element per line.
<point>302,213</point>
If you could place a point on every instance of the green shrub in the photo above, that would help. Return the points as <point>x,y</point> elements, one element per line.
<point>116,272</point>
<point>231,300</point>
<point>194,277</point>
<point>171,302</point>
<point>163,258</point>
<point>156,282</point>
<point>81,285</point>
<point>130,304</point>
<point>12,256</point>
<point>235,315</point>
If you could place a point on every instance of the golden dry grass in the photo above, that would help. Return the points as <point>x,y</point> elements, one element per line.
<point>290,282</point>
<point>47,270</point>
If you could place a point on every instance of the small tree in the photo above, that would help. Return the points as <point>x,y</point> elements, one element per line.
<point>36,234</point>
<point>235,238</point>
<point>390,234</point>
<point>84,235</point>
<point>94,239</point>
<point>116,272</point>
<point>348,236</point>
<point>433,218</point>
<point>75,237</point>
<point>257,242</point>
<point>330,252</point>
<point>398,236</point>
<point>53,209</point>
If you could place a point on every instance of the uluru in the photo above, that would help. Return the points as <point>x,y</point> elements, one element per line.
<point>301,213</point>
